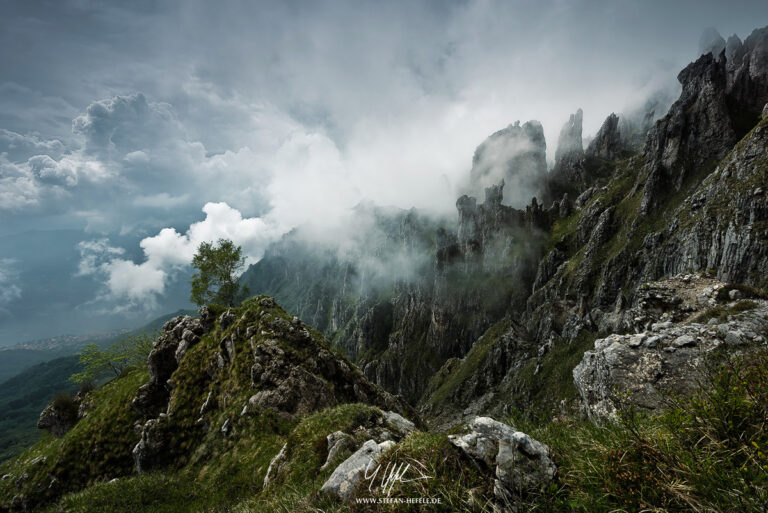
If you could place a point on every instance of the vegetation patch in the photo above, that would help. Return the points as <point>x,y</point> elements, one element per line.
<point>704,453</point>
<point>722,312</point>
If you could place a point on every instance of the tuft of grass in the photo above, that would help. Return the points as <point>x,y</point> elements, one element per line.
<point>746,291</point>
<point>722,312</point>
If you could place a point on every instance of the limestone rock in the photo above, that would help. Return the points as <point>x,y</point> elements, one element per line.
<point>274,465</point>
<point>569,144</point>
<point>521,463</point>
<point>607,143</point>
<point>59,417</point>
<point>150,452</point>
<point>402,424</point>
<point>177,336</point>
<point>669,359</point>
<point>517,155</point>
<point>337,442</point>
<point>345,478</point>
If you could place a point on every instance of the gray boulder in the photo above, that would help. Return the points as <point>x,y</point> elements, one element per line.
<point>59,417</point>
<point>345,478</point>
<point>337,442</point>
<point>399,422</point>
<point>521,463</point>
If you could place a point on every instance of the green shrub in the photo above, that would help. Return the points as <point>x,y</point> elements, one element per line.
<point>66,406</point>
<point>124,355</point>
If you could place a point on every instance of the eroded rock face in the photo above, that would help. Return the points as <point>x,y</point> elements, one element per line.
<point>150,452</point>
<point>521,463</point>
<point>720,101</point>
<point>607,143</point>
<point>569,144</point>
<point>178,335</point>
<point>346,477</point>
<point>516,155</point>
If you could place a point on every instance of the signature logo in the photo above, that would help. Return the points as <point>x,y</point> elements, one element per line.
<point>395,472</point>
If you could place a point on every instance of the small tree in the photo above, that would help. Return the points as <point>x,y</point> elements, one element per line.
<point>218,267</point>
<point>127,352</point>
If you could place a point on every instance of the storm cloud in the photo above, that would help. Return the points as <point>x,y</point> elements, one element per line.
<point>169,123</point>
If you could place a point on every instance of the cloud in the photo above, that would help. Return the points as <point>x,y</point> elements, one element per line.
<point>18,190</point>
<point>130,285</point>
<point>127,118</point>
<point>47,170</point>
<point>18,147</point>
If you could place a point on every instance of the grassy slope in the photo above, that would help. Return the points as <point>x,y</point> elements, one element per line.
<point>23,397</point>
<point>97,449</point>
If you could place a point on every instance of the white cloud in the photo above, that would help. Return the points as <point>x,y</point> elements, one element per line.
<point>130,285</point>
<point>18,146</point>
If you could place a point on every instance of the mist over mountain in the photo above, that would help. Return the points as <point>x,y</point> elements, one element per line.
<point>514,256</point>
<point>130,139</point>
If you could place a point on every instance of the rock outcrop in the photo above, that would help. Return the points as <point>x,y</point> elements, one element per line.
<point>176,337</point>
<point>693,316</point>
<point>58,417</point>
<point>522,464</point>
<point>290,373</point>
<point>711,42</point>
<point>569,144</point>
<point>608,143</point>
<point>516,155</point>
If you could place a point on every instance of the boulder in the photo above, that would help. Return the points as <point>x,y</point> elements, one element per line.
<point>337,442</point>
<point>59,416</point>
<point>521,463</point>
<point>399,422</point>
<point>345,478</point>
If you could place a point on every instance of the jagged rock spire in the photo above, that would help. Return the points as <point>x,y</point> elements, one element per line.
<point>607,144</point>
<point>711,42</point>
<point>516,155</point>
<point>569,143</point>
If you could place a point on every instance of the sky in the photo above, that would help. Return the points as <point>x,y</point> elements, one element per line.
<point>132,131</point>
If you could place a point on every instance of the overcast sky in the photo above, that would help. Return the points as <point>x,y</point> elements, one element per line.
<point>138,119</point>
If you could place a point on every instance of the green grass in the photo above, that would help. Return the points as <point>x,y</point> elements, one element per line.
<point>442,387</point>
<point>722,312</point>
<point>542,392</point>
<point>705,453</point>
<point>98,448</point>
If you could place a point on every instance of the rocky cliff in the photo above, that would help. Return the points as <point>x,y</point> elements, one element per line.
<point>605,220</point>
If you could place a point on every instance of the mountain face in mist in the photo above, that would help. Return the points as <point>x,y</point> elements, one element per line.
<point>516,155</point>
<point>628,267</point>
<point>614,215</point>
